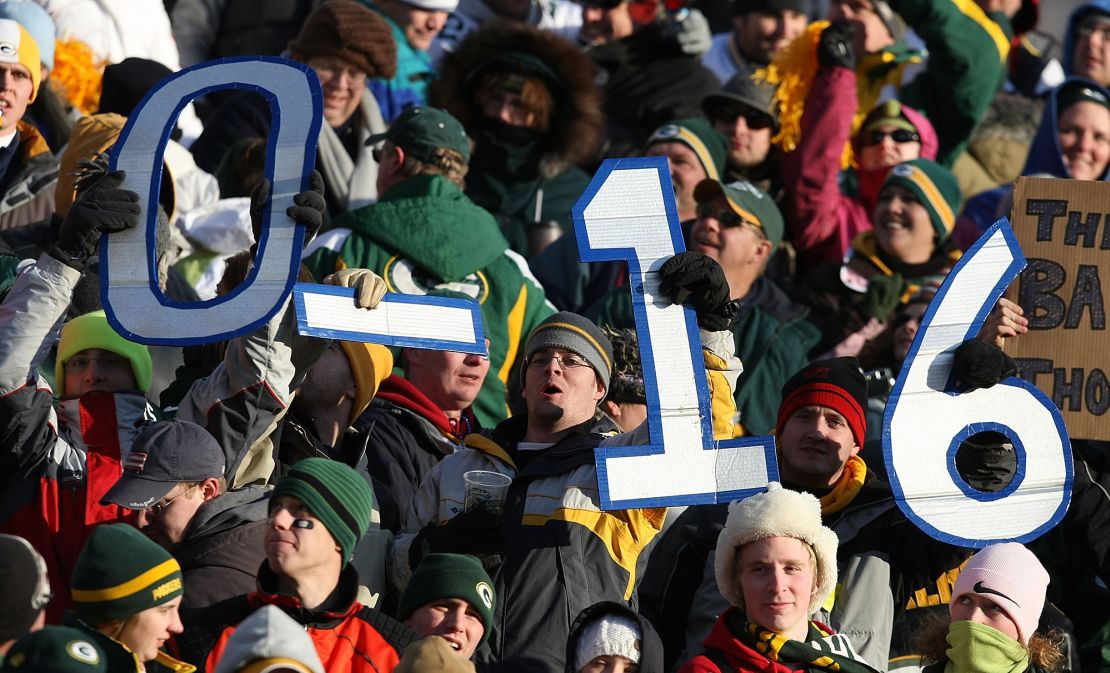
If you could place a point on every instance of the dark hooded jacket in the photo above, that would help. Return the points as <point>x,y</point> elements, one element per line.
<point>532,180</point>
<point>223,548</point>
<point>651,647</point>
<point>1093,7</point>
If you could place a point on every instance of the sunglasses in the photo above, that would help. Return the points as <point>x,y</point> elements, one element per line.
<point>726,218</point>
<point>876,136</point>
<point>756,120</point>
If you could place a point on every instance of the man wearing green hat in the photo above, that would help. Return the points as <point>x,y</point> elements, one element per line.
<point>739,226</point>
<point>126,592</point>
<point>318,513</point>
<point>450,595</point>
<point>424,234</point>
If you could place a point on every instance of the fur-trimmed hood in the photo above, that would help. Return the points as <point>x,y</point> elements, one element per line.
<point>577,125</point>
<point>778,512</point>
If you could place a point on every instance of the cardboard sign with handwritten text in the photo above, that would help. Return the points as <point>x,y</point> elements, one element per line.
<point>1064,229</point>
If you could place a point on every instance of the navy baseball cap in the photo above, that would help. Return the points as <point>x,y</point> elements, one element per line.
<point>163,455</point>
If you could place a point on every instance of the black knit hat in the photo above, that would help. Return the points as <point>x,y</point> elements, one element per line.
<point>26,587</point>
<point>576,334</point>
<point>349,31</point>
<point>335,494</point>
<point>442,576</point>
<point>836,383</point>
<point>120,573</point>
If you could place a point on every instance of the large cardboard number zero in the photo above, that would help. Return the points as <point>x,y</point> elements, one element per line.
<point>133,301</point>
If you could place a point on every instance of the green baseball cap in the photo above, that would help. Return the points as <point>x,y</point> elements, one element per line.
<point>749,202</point>
<point>420,130</point>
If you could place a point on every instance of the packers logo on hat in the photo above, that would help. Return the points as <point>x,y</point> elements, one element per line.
<point>485,592</point>
<point>902,170</point>
<point>8,51</point>
<point>83,651</point>
<point>748,187</point>
<point>1091,93</point>
<point>667,131</point>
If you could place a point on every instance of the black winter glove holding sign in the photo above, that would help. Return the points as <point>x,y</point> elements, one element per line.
<point>478,532</point>
<point>836,48</point>
<point>101,208</point>
<point>698,280</point>
<point>307,209</point>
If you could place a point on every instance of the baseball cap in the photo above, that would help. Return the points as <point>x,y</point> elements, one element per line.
<point>749,202</point>
<point>163,455</point>
<point>420,130</point>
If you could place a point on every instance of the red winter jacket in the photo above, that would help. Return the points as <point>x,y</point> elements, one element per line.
<point>822,221</point>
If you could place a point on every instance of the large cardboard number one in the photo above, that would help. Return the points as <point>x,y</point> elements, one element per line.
<point>926,420</point>
<point>137,307</point>
<point>628,213</point>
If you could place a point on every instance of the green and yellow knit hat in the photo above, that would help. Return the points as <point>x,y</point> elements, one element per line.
<point>700,136</point>
<point>442,576</point>
<point>335,494</point>
<point>93,331</point>
<point>120,573</point>
<point>935,187</point>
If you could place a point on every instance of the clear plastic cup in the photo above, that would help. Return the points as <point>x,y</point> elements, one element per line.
<point>485,490</point>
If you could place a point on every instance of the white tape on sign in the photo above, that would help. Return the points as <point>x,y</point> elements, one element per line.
<point>926,420</point>
<point>416,321</point>
<point>628,213</point>
<point>134,303</point>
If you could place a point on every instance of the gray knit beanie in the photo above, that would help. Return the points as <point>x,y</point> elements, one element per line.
<point>576,334</point>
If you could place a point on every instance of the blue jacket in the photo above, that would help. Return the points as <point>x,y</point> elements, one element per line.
<point>1102,6</point>
<point>410,85</point>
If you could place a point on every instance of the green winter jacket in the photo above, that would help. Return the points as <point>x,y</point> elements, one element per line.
<point>966,66</point>
<point>773,338</point>
<point>426,234</point>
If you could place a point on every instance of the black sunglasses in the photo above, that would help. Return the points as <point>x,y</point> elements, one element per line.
<point>728,114</point>
<point>726,218</point>
<point>875,136</point>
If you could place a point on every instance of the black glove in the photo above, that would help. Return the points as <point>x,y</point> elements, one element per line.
<point>477,532</point>
<point>979,364</point>
<point>307,209</point>
<point>696,279</point>
<point>836,48</point>
<point>101,208</point>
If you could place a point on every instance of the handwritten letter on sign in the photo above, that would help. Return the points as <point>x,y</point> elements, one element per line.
<point>139,310</point>
<point>628,213</point>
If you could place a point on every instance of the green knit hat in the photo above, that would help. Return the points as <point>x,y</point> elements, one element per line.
<point>935,187</point>
<point>93,331</point>
<point>335,494</point>
<point>55,649</point>
<point>700,136</point>
<point>120,573</point>
<point>442,576</point>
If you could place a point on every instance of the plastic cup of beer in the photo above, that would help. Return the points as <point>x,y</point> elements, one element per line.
<point>485,490</point>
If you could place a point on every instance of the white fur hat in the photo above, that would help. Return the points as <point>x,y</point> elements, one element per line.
<point>776,513</point>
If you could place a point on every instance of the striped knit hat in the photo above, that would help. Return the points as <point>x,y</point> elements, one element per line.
<point>576,334</point>
<point>935,187</point>
<point>700,136</point>
<point>836,383</point>
<point>120,573</point>
<point>335,494</point>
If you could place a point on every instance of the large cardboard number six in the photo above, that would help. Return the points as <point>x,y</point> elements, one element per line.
<point>926,420</point>
<point>628,213</point>
<point>134,303</point>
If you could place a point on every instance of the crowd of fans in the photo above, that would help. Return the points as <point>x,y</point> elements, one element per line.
<point>279,503</point>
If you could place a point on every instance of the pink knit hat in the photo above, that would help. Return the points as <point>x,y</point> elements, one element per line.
<point>1011,576</point>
